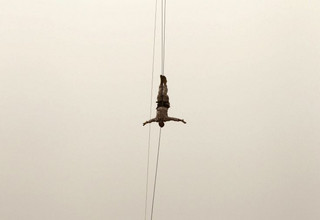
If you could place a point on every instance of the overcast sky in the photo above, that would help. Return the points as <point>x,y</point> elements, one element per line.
<point>75,90</point>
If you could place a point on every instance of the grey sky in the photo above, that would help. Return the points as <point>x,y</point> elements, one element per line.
<point>75,87</point>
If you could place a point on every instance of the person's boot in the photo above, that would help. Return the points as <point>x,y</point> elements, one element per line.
<point>163,79</point>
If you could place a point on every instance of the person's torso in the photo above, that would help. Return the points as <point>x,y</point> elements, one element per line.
<point>162,113</point>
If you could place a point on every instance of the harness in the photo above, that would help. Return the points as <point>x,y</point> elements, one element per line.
<point>163,104</point>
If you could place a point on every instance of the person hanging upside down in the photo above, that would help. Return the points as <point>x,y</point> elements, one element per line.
<point>163,105</point>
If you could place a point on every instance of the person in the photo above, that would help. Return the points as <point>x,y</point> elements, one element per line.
<point>163,105</point>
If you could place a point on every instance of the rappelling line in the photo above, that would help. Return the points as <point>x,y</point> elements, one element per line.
<point>152,73</point>
<point>163,33</point>
<point>163,22</point>
<point>155,177</point>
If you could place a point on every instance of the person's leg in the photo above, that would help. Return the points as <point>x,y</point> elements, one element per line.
<point>163,79</point>
<point>160,93</point>
<point>163,98</point>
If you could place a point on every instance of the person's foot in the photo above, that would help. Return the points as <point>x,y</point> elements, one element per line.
<point>163,79</point>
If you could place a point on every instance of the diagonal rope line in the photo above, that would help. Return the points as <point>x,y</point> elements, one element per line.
<point>155,177</point>
<point>151,96</point>
<point>163,23</point>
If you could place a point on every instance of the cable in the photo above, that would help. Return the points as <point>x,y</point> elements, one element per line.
<point>151,96</point>
<point>163,33</point>
<point>155,177</point>
<point>163,24</point>
<point>162,37</point>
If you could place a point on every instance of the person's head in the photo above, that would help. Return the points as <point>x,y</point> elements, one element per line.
<point>161,124</point>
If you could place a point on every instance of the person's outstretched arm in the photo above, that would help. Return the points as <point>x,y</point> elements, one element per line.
<point>150,121</point>
<point>175,119</point>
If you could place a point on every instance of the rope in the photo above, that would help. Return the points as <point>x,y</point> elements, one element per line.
<point>155,177</point>
<point>163,34</point>
<point>163,24</point>
<point>150,112</point>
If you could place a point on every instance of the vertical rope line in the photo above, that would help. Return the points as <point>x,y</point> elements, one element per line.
<point>162,66</point>
<point>153,54</point>
<point>155,177</point>
<point>150,112</point>
<point>164,31</point>
<point>163,20</point>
